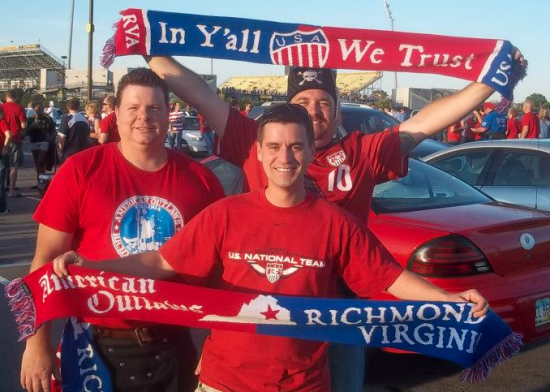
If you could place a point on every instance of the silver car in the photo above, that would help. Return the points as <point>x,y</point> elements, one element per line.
<point>511,171</point>
<point>191,135</point>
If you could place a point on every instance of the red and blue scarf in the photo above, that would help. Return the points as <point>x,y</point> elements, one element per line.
<point>155,33</point>
<point>439,329</point>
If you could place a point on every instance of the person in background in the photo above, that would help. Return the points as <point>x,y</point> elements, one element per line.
<point>176,121</point>
<point>247,109</point>
<point>41,133</point>
<point>493,124</point>
<point>513,126</point>
<point>544,123</point>
<point>207,134</point>
<point>74,131</point>
<point>5,136</point>
<point>454,133</point>
<point>94,120</point>
<point>29,110</point>
<point>15,117</point>
<point>108,126</point>
<point>530,124</point>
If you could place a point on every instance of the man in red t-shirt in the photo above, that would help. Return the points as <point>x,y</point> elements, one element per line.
<point>530,124</point>
<point>114,200</point>
<point>513,125</point>
<point>5,136</point>
<point>243,362</point>
<point>108,128</point>
<point>344,172</point>
<point>15,117</point>
<point>454,133</point>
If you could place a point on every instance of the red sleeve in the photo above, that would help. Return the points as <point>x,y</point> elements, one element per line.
<point>106,125</point>
<point>59,209</point>
<point>366,265</point>
<point>525,120</point>
<point>383,150</point>
<point>238,138</point>
<point>21,115</point>
<point>195,250</point>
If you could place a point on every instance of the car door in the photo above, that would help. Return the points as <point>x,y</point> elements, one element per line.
<point>520,177</point>
<point>470,166</point>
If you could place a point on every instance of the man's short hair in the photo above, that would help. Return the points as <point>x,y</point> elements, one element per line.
<point>142,77</point>
<point>301,79</point>
<point>110,99</point>
<point>287,113</point>
<point>11,94</point>
<point>73,104</point>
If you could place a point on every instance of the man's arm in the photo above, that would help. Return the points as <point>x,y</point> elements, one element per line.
<point>7,139</point>
<point>524,132</point>
<point>149,264</point>
<point>39,360</point>
<point>447,110</point>
<point>191,88</point>
<point>412,287</point>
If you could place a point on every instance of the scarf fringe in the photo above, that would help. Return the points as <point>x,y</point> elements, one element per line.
<point>22,307</point>
<point>109,50</point>
<point>506,349</point>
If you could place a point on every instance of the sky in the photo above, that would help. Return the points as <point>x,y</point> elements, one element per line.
<point>525,24</point>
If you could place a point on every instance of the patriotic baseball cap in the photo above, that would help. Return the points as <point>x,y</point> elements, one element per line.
<point>489,105</point>
<point>301,79</point>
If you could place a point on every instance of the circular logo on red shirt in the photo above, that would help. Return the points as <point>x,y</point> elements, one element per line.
<point>144,223</point>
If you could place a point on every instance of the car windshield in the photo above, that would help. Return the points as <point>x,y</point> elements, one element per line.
<point>356,118</point>
<point>424,187</point>
<point>191,123</point>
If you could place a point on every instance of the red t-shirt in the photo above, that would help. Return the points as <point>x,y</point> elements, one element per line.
<point>453,137</point>
<point>3,129</point>
<point>14,115</point>
<point>345,173</point>
<point>513,127</point>
<point>263,255</point>
<point>115,209</point>
<point>532,121</point>
<point>109,125</point>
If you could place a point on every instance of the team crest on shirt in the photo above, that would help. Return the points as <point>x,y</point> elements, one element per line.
<point>275,265</point>
<point>337,158</point>
<point>144,223</point>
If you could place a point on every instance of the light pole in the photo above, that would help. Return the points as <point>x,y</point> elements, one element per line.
<point>90,30</point>
<point>70,36</point>
<point>390,15</point>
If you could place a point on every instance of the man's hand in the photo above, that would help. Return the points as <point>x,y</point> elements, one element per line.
<point>37,366</point>
<point>473,296</point>
<point>60,263</point>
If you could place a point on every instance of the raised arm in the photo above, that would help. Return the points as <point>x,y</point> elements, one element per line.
<point>191,88</point>
<point>447,110</point>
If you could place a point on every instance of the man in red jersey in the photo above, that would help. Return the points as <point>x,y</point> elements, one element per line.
<point>115,200</point>
<point>242,362</point>
<point>344,172</point>
<point>530,124</point>
<point>108,127</point>
<point>15,117</point>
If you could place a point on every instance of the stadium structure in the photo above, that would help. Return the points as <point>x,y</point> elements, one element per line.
<point>356,86</point>
<point>36,68</point>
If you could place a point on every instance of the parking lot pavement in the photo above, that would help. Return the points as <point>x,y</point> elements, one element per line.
<point>17,229</point>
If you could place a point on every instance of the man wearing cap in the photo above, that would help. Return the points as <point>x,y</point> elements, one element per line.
<point>344,172</point>
<point>493,125</point>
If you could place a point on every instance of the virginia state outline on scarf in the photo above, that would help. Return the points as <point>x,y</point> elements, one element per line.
<point>439,329</point>
<point>156,33</point>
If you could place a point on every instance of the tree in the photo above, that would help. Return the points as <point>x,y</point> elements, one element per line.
<point>538,100</point>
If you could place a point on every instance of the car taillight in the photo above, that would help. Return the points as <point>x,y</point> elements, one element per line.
<point>448,256</point>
